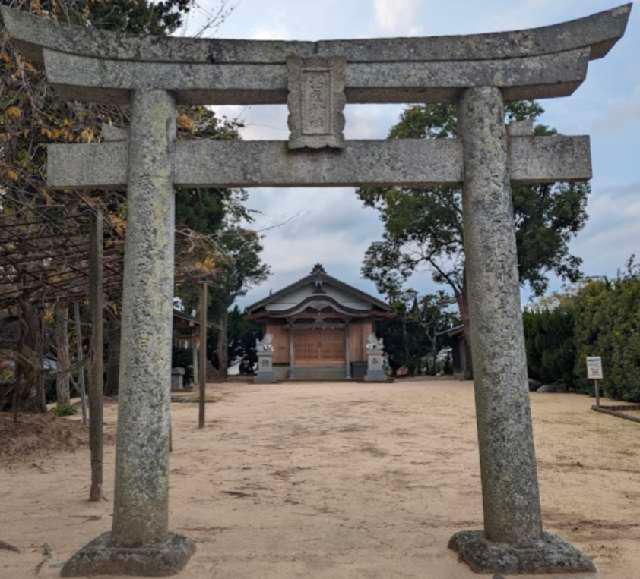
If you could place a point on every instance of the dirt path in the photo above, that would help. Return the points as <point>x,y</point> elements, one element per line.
<point>339,480</point>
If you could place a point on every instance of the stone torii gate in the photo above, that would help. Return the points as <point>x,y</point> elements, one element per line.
<point>316,79</point>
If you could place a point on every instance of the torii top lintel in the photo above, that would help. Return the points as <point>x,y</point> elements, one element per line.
<point>97,65</point>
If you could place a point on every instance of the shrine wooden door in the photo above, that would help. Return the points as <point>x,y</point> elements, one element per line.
<point>319,347</point>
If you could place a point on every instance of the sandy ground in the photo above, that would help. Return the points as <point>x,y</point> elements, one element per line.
<point>339,480</point>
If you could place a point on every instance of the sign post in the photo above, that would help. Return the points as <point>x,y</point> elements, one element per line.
<point>594,372</point>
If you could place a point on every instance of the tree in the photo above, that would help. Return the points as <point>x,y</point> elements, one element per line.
<point>240,269</point>
<point>62,354</point>
<point>424,227</point>
<point>232,257</point>
<point>600,317</point>
<point>415,336</point>
<point>242,334</point>
<point>31,115</point>
<point>133,16</point>
<point>607,324</point>
<point>549,335</point>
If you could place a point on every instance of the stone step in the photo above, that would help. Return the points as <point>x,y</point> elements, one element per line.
<point>319,373</point>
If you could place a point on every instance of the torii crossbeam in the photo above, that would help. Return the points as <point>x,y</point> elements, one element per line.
<point>315,79</point>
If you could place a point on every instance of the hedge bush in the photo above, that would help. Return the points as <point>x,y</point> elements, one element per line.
<point>601,319</point>
<point>551,350</point>
<point>607,315</point>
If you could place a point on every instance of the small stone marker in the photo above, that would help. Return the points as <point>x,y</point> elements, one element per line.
<point>316,102</point>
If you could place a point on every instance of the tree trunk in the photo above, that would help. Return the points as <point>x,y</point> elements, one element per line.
<point>461,298</point>
<point>195,378</point>
<point>202,371</point>
<point>113,357</point>
<point>80,361</point>
<point>96,386</point>
<point>41,389</point>
<point>434,352</point>
<point>29,360</point>
<point>63,397</point>
<point>405,343</point>
<point>17,380</point>
<point>223,362</point>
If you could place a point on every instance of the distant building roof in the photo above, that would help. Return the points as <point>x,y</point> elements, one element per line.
<point>318,291</point>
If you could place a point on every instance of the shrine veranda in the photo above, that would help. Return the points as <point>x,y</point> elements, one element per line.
<point>478,73</point>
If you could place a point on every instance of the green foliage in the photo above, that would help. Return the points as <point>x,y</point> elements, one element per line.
<point>134,16</point>
<point>183,358</point>
<point>607,314</point>
<point>549,339</point>
<point>413,339</point>
<point>425,226</point>
<point>31,115</point>
<point>205,210</point>
<point>64,410</point>
<point>240,268</point>
<point>600,319</point>
<point>241,335</point>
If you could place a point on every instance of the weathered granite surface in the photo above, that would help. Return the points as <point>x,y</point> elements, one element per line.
<point>599,32</point>
<point>510,493</point>
<point>546,159</point>
<point>141,504</point>
<point>103,557</point>
<point>523,128</point>
<point>406,162</point>
<point>550,554</point>
<point>111,133</point>
<point>80,77</point>
<point>316,102</point>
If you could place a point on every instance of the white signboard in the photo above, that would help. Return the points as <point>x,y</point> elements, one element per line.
<point>594,368</point>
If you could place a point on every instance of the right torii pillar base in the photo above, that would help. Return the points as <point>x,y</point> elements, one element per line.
<point>103,557</point>
<point>550,554</point>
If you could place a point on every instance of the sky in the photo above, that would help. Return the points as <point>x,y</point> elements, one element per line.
<point>304,226</point>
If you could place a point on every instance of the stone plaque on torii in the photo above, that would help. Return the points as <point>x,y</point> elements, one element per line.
<point>477,72</point>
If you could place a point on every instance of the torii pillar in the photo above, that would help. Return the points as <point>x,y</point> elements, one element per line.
<point>140,542</point>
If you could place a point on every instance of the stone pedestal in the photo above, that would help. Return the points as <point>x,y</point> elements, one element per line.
<point>375,360</point>
<point>177,379</point>
<point>103,557</point>
<point>549,554</point>
<point>512,521</point>
<point>140,542</point>
<point>264,349</point>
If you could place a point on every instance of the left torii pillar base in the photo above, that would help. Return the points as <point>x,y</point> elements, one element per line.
<point>103,557</point>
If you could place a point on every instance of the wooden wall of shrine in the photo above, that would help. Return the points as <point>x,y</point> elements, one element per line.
<point>320,347</point>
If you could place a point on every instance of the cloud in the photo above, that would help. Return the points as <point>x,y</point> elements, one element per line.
<point>331,226</point>
<point>398,17</point>
<point>619,113</point>
<point>370,121</point>
<point>611,234</point>
<point>305,226</point>
<point>271,34</point>
<point>261,122</point>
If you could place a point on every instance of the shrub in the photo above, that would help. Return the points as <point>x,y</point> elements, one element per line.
<point>601,319</point>
<point>64,410</point>
<point>550,344</point>
<point>608,325</point>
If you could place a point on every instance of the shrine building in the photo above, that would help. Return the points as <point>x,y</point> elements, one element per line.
<point>319,327</point>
